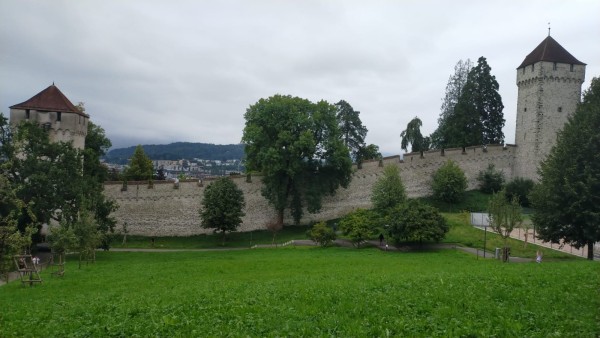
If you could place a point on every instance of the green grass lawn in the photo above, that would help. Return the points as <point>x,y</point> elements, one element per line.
<point>233,240</point>
<point>307,292</point>
<point>461,232</point>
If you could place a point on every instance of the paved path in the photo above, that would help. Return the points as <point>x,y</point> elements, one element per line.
<point>528,236</point>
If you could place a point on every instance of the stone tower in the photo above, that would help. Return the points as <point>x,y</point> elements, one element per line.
<point>55,113</point>
<point>549,82</point>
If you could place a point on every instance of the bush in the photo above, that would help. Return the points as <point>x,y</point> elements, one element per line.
<point>321,234</point>
<point>519,187</point>
<point>359,225</point>
<point>490,180</point>
<point>416,221</point>
<point>449,183</point>
<point>389,190</point>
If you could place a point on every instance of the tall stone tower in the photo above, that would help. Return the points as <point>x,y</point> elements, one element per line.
<point>549,82</point>
<point>55,113</point>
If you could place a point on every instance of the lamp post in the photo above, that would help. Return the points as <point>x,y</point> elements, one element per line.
<point>484,239</point>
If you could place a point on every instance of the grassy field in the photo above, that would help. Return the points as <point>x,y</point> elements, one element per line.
<point>234,240</point>
<point>307,292</point>
<point>461,232</point>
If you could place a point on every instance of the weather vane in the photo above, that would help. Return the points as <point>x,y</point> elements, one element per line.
<point>548,29</point>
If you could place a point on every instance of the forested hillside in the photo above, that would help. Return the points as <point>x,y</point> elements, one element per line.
<point>180,150</point>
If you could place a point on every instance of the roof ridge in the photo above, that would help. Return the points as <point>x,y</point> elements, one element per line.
<point>50,99</point>
<point>549,50</point>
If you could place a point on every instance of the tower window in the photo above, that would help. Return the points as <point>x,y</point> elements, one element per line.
<point>523,70</point>
<point>571,67</point>
<point>27,114</point>
<point>560,109</point>
<point>554,66</point>
<point>58,116</point>
<point>525,109</point>
<point>532,67</point>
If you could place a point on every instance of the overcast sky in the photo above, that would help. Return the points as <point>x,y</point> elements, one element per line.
<point>155,72</point>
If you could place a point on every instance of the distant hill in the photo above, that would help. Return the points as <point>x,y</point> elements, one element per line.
<point>179,150</point>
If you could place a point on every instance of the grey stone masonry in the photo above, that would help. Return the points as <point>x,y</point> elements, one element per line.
<point>548,93</point>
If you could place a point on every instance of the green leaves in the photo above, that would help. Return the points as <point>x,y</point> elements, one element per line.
<point>222,206</point>
<point>476,117</point>
<point>416,221</point>
<point>412,134</point>
<point>140,167</point>
<point>359,225</point>
<point>389,190</point>
<point>449,183</point>
<point>322,234</point>
<point>298,147</point>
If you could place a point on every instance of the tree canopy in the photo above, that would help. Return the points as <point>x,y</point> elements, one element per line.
<point>476,117</point>
<point>567,199</point>
<point>352,130</point>
<point>298,147</point>
<point>50,179</point>
<point>416,221</point>
<point>140,167</point>
<point>456,83</point>
<point>449,183</point>
<point>222,206</point>
<point>412,135</point>
<point>388,190</point>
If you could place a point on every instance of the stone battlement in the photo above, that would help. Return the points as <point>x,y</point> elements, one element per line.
<point>165,211</point>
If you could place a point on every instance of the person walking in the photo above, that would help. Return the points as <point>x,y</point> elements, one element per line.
<point>381,239</point>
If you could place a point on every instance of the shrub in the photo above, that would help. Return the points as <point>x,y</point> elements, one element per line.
<point>519,187</point>
<point>389,190</point>
<point>359,225</point>
<point>490,180</point>
<point>449,183</point>
<point>322,234</point>
<point>416,221</point>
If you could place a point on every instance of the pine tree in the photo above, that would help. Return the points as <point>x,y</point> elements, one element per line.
<point>140,168</point>
<point>351,127</point>
<point>454,89</point>
<point>477,117</point>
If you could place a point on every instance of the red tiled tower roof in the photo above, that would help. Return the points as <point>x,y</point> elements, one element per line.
<point>50,99</point>
<point>551,51</point>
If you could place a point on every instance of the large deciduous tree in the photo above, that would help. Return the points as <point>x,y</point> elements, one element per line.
<point>412,135</point>
<point>352,130</point>
<point>51,179</point>
<point>140,166</point>
<point>222,206</point>
<point>567,199</point>
<point>298,147</point>
<point>47,176</point>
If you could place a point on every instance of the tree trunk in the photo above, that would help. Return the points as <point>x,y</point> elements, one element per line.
<point>280,217</point>
<point>590,254</point>
<point>223,239</point>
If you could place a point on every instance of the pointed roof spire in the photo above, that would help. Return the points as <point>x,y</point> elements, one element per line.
<point>551,51</point>
<point>50,99</point>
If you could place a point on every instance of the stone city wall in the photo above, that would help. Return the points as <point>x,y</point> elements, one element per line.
<point>165,211</point>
